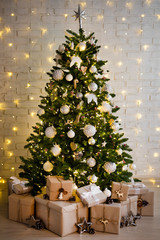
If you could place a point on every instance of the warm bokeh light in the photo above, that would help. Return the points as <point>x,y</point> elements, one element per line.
<point>14,129</point>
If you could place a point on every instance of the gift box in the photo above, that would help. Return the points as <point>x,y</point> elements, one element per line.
<point>137,188</point>
<point>42,210</point>
<point>17,186</point>
<point>58,189</point>
<point>64,215</point>
<point>119,191</point>
<point>21,207</point>
<point>91,195</point>
<point>145,204</point>
<point>106,218</point>
<point>129,205</point>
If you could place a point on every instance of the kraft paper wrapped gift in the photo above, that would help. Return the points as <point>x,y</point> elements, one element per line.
<point>21,207</point>
<point>106,217</point>
<point>147,210</point>
<point>64,215</point>
<point>58,188</point>
<point>91,195</point>
<point>129,205</point>
<point>42,210</point>
<point>17,186</point>
<point>137,188</point>
<point>119,191</point>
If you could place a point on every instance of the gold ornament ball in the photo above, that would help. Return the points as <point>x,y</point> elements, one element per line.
<point>91,141</point>
<point>48,166</point>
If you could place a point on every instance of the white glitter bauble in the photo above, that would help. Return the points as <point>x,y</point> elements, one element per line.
<point>79,95</point>
<point>93,69</point>
<point>65,109</point>
<point>105,107</point>
<point>56,150</point>
<point>91,141</point>
<point>132,166</point>
<point>61,48</point>
<point>89,130</point>
<point>119,151</point>
<point>110,167</point>
<point>107,192</point>
<point>69,77</point>
<point>50,132</point>
<point>58,74</point>
<point>82,46</point>
<point>94,178</point>
<point>106,87</point>
<point>115,126</point>
<point>40,112</point>
<point>91,162</point>
<point>92,87</point>
<point>71,134</point>
<point>47,166</point>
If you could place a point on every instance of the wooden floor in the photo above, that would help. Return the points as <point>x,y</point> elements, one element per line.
<point>148,228</point>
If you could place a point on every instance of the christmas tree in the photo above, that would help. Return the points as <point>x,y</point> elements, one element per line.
<point>79,136</point>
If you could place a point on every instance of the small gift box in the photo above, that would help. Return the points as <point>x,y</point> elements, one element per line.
<point>42,210</point>
<point>58,188</point>
<point>21,207</point>
<point>145,204</point>
<point>119,191</point>
<point>106,218</point>
<point>91,195</point>
<point>129,205</point>
<point>17,186</point>
<point>64,215</point>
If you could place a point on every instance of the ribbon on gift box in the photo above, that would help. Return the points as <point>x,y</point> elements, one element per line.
<point>91,192</point>
<point>15,181</point>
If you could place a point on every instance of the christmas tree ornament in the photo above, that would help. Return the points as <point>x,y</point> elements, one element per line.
<point>132,166</point>
<point>73,146</point>
<point>61,48</point>
<point>58,57</point>
<point>91,141</point>
<point>79,106</point>
<point>82,46</point>
<point>75,60</point>
<point>79,95</point>
<point>115,126</point>
<point>91,97</point>
<point>93,69</point>
<point>36,223</point>
<point>77,118</point>
<point>65,109</point>
<point>75,81</point>
<point>50,132</point>
<point>71,133</point>
<point>104,144</point>
<point>119,151</point>
<point>92,87</point>
<point>79,15</point>
<point>48,166</point>
<point>107,88</point>
<point>94,178</point>
<point>69,77</point>
<point>78,155</point>
<point>56,150</point>
<point>110,167</point>
<point>109,97</point>
<point>65,94</point>
<point>92,41</point>
<point>58,74</point>
<point>105,107</point>
<point>84,226</point>
<point>107,192</point>
<point>72,45</point>
<point>83,69</point>
<point>91,162</point>
<point>40,112</point>
<point>89,130</point>
<point>125,168</point>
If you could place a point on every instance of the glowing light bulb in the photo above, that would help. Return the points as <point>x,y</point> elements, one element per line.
<point>26,55</point>
<point>150,169</point>
<point>109,3</point>
<point>12,14</point>
<point>8,141</point>
<point>129,5</point>
<point>156,154</point>
<point>139,31</point>
<point>148,2</point>
<point>142,15</point>
<point>83,4</point>
<point>152,180</point>
<point>12,168</point>
<point>28,85</point>
<point>50,46</point>
<point>145,47</point>
<point>7,29</point>
<point>1,34</point>
<point>28,28</point>
<point>31,98</point>
<point>10,74</point>
<point>14,129</point>
<point>139,60</point>
<point>119,64</point>
<point>138,116</point>
<point>10,154</point>
<point>10,44</point>
<point>106,47</point>
<point>65,15</point>
<point>123,92</point>
<point>158,16</point>
<point>44,31</point>
<point>123,19</point>
<point>32,114</point>
<point>138,102</point>
<point>100,17</point>
<point>16,101</point>
<point>50,59</point>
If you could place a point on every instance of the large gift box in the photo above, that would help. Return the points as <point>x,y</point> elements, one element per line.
<point>137,188</point>
<point>106,217</point>
<point>42,210</point>
<point>64,215</point>
<point>119,191</point>
<point>91,195</point>
<point>145,206</point>
<point>18,186</point>
<point>21,207</point>
<point>58,189</point>
<point>129,205</point>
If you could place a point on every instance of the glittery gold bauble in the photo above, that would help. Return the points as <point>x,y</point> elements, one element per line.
<point>73,146</point>
<point>48,166</point>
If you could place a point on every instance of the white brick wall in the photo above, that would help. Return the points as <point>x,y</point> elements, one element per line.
<point>131,32</point>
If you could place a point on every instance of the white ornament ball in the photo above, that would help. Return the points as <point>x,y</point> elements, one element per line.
<point>69,77</point>
<point>94,178</point>
<point>132,166</point>
<point>91,162</point>
<point>93,69</point>
<point>115,126</point>
<point>125,168</point>
<point>110,167</point>
<point>106,87</point>
<point>58,74</point>
<point>47,166</point>
<point>56,150</point>
<point>91,141</point>
<point>107,192</point>
<point>61,48</point>
<point>109,97</point>
<point>89,130</point>
<point>65,109</point>
<point>71,134</point>
<point>92,87</point>
<point>82,46</point>
<point>119,151</point>
<point>79,95</point>
<point>106,107</point>
<point>40,112</point>
<point>50,132</point>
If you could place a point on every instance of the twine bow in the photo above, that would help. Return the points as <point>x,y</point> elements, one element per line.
<point>91,191</point>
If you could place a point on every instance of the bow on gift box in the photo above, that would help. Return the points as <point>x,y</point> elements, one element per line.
<point>91,192</point>
<point>15,181</point>
<point>61,192</point>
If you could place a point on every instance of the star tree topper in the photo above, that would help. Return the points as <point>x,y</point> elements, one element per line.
<point>79,14</point>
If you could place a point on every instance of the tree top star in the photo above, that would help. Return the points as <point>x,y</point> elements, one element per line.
<point>79,14</point>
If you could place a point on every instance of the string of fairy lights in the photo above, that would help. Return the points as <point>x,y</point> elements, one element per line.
<point>6,31</point>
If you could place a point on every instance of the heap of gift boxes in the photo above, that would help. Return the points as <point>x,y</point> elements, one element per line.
<point>64,207</point>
